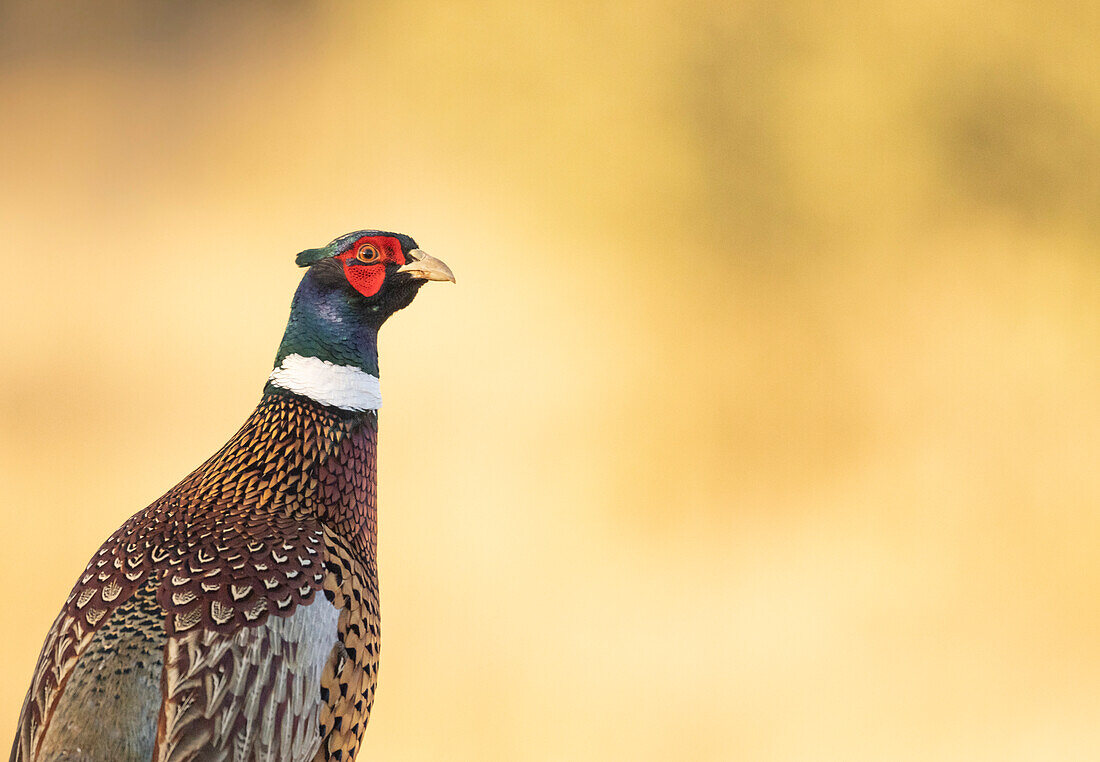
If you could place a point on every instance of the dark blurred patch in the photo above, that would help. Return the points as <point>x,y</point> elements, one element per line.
<point>138,33</point>
<point>1009,138</point>
<point>737,78</point>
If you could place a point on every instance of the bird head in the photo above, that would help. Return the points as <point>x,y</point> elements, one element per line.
<point>381,272</point>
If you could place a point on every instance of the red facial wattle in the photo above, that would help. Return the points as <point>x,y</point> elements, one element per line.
<point>366,279</point>
<point>365,262</point>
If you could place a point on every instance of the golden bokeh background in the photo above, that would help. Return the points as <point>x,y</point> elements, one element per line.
<point>762,424</point>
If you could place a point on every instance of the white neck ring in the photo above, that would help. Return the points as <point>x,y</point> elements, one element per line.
<point>342,386</point>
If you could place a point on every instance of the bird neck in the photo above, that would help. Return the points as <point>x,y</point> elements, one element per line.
<point>329,352</point>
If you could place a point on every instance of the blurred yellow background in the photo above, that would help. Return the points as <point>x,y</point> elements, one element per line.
<point>762,424</point>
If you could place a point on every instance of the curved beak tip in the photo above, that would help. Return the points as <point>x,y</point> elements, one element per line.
<point>427,267</point>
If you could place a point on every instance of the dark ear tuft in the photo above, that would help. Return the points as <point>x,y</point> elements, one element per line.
<point>309,256</point>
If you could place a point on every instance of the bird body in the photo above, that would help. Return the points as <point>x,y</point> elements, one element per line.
<point>237,617</point>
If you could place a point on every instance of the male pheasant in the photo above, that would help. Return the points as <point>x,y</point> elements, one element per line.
<point>236,618</point>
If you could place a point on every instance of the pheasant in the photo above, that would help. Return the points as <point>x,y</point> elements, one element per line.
<point>236,618</point>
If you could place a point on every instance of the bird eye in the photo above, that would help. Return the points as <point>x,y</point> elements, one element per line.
<point>367,253</point>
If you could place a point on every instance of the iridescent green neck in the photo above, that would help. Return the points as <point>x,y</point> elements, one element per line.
<point>329,351</point>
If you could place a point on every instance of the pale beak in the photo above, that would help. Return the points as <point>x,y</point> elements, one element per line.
<point>426,267</point>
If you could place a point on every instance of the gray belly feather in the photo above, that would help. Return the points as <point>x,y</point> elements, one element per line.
<point>108,710</point>
<point>110,706</point>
